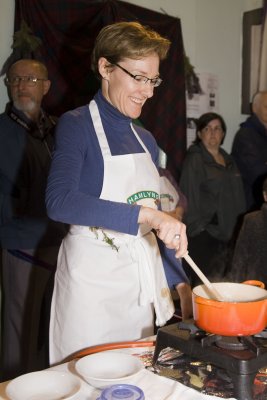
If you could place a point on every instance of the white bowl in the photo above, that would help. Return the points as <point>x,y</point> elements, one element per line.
<point>108,368</point>
<point>44,385</point>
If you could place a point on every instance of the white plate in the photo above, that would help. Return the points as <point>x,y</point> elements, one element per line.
<point>108,368</point>
<point>44,385</point>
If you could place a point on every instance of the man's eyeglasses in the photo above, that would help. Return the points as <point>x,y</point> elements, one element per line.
<point>28,80</point>
<point>140,78</point>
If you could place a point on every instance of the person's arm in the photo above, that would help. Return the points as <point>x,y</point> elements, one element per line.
<point>185,295</point>
<point>13,189</point>
<point>242,252</point>
<point>9,200</point>
<point>192,177</point>
<point>76,143</point>
<point>177,279</point>
<point>247,154</point>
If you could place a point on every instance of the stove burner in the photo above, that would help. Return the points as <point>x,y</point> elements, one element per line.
<point>230,343</point>
<point>241,365</point>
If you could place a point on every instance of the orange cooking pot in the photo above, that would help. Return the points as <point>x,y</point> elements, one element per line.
<point>242,313</point>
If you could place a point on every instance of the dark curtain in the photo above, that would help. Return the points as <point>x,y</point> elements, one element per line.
<point>262,79</point>
<point>68,29</point>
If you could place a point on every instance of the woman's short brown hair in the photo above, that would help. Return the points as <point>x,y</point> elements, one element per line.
<point>127,40</point>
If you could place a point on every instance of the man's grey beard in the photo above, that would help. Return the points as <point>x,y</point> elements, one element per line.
<point>25,107</point>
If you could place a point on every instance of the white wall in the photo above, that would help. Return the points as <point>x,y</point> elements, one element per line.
<point>212,33</point>
<point>218,50</point>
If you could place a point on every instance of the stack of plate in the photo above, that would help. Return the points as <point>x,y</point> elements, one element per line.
<point>44,385</point>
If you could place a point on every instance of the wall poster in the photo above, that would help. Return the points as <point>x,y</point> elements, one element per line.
<point>199,104</point>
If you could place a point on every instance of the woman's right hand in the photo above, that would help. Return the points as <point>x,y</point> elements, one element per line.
<point>171,231</point>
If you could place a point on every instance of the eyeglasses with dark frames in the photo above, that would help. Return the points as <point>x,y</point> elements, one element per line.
<point>28,80</point>
<point>140,78</point>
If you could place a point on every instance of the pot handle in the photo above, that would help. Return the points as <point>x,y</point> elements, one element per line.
<point>255,283</point>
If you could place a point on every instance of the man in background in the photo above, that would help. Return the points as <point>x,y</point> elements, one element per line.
<point>250,151</point>
<point>29,240</point>
<point>250,253</point>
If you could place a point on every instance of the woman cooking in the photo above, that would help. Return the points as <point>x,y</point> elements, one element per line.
<point>104,182</point>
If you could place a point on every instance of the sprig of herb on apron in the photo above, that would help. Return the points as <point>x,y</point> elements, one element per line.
<point>106,238</point>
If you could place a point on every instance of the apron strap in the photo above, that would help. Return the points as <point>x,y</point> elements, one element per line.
<point>139,140</point>
<point>99,129</point>
<point>101,133</point>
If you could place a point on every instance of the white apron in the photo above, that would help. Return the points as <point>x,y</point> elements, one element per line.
<point>169,196</point>
<point>102,295</point>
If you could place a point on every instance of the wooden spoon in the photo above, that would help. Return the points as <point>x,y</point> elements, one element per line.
<point>216,295</point>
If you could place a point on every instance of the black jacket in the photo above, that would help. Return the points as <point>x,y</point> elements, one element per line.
<point>250,154</point>
<point>25,158</point>
<point>215,193</point>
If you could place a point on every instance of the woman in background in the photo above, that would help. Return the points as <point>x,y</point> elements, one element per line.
<point>213,187</point>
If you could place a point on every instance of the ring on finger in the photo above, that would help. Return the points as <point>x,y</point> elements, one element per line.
<point>177,236</point>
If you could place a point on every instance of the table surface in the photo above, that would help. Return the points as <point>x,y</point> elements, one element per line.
<point>154,386</point>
